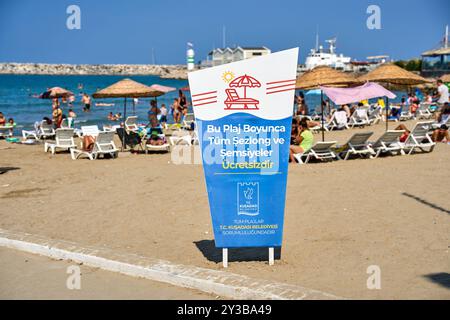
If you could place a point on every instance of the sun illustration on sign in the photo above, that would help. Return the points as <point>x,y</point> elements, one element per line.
<point>228,76</point>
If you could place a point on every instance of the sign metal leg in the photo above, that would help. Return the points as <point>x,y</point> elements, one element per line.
<point>225,257</point>
<point>271,256</point>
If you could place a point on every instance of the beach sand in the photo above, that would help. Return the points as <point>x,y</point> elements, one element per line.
<point>340,218</point>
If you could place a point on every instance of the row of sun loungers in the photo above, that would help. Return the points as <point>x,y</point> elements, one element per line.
<point>359,145</point>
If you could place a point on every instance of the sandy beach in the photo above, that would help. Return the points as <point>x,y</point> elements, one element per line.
<point>340,218</point>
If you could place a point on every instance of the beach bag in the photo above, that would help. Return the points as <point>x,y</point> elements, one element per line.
<point>88,143</point>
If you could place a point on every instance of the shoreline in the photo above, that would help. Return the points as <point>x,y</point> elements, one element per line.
<point>164,71</point>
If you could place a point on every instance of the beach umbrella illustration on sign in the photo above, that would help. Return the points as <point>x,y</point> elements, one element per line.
<point>55,92</point>
<point>245,81</point>
<point>389,73</point>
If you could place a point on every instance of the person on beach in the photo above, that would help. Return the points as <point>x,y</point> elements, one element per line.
<point>86,100</point>
<point>11,124</point>
<point>71,100</point>
<point>441,96</point>
<point>153,113</point>
<point>72,114</point>
<point>111,116</point>
<point>182,101</point>
<point>164,111</point>
<point>2,119</point>
<point>117,116</point>
<point>176,111</point>
<point>303,142</point>
<point>57,116</point>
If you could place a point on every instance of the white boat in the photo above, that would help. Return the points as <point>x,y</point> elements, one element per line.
<point>322,57</point>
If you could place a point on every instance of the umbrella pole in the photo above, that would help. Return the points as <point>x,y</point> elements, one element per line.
<point>387,113</point>
<point>321,106</point>
<point>124,117</point>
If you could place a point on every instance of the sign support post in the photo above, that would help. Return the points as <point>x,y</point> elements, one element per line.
<point>225,257</point>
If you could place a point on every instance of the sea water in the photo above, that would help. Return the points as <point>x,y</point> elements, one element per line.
<point>18,98</point>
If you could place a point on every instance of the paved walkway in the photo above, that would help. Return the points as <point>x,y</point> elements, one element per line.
<point>28,276</point>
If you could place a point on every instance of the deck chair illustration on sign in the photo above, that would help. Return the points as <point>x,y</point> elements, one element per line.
<point>63,140</point>
<point>234,99</point>
<point>104,144</point>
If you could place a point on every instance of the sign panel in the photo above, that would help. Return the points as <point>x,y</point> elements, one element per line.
<point>243,114</point>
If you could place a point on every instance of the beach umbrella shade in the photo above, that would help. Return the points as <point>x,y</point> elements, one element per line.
<point>245,82</point>
<point>126,88</point>
<point>445,78</point>
<point>160,90</point>
<point>324,76</point>
<point>55,92</point>
<point>390,73</point>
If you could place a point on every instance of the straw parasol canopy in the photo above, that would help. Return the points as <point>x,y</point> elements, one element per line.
<point>126,88</point>
<point>56,92</point>
<point>445,78</point>
<point>393,74</point>
<point>324,76</point>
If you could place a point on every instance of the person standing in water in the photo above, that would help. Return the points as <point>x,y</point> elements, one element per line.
<point>86,100</point>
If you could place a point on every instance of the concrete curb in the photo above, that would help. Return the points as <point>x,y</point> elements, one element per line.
<point>211,281</point>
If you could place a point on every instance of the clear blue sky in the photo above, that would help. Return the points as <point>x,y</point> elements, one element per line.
<point>126,31</point>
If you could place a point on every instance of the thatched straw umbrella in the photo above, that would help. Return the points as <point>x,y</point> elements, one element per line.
<point>324,76</point>
<point>126,88</point>
<point>56,92</point>
<point>389,73</point>
<point>445,78</point>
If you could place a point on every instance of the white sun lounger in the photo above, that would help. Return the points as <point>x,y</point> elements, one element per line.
<point>320,151</point>
<point>358,145</point>
<point>63,140</point>
<point>388,143</point>
<point>6,131</point>
<point>419,138</point>
<point>44,131</point>
<point>423,112</point>
<point>338,121</point>
<point>405,114</point>
<point>149,147</point>
<point>104,144</point>
<point>375,115</point>
<point>359,118</point>
<point>188,120</point>
<point>131,124</point>
<point>181,138</point>
<point>88,131</point>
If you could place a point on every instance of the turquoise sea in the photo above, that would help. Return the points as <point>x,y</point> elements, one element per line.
<point>17,101</point>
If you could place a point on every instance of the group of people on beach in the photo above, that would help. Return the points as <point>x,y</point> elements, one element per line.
<point>302,138</point>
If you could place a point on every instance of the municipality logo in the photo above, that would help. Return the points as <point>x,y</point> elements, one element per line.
<point>248,198</point>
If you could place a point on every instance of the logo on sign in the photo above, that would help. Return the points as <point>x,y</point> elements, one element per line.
<point>248,198</point>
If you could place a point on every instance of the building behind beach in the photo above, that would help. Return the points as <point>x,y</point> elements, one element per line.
<point>436,62</point>
<point>220,56</point>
